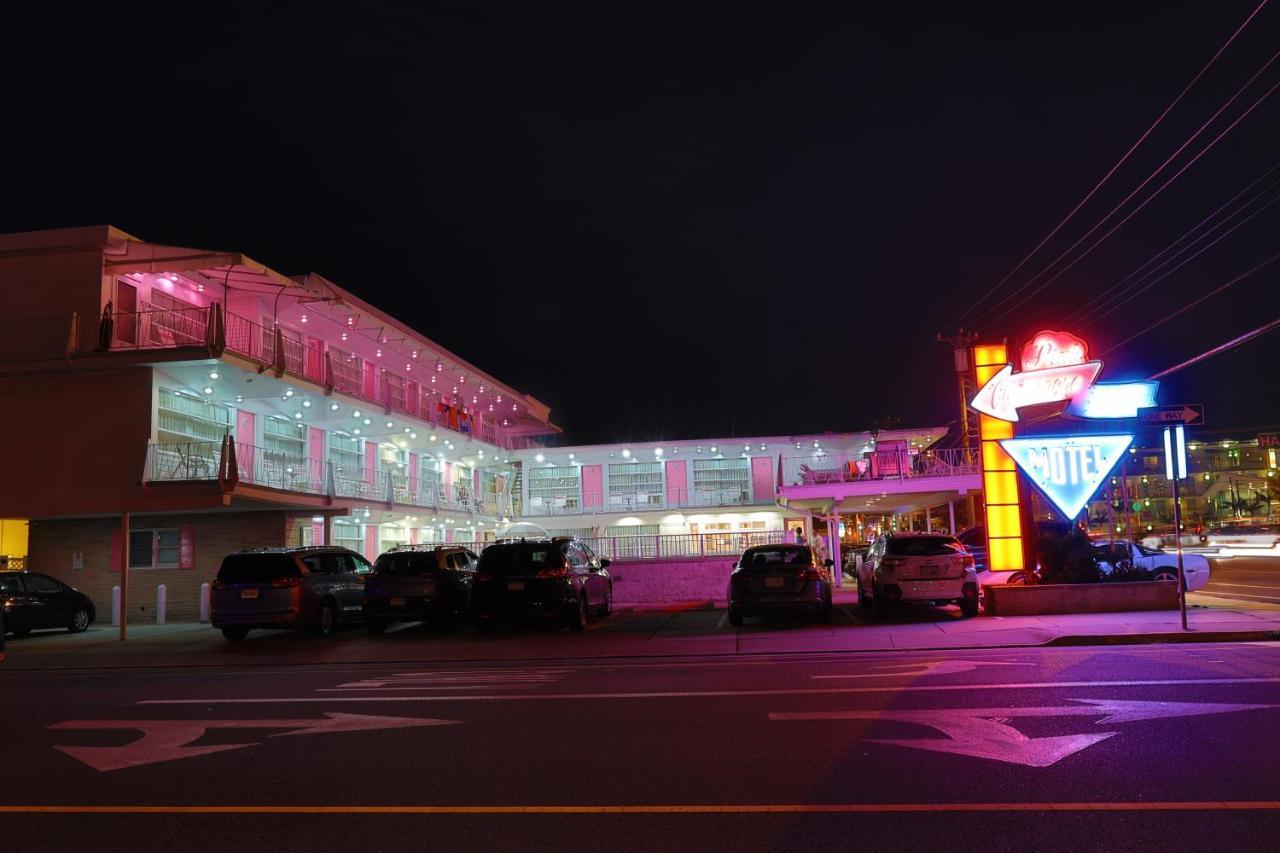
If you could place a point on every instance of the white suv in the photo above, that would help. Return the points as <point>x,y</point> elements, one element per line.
<point>918,567</point>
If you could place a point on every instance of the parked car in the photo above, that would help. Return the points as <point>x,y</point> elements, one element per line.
<point>431,584</point>
<point>780,578</point>
<point>560,578</point>
<point>925,567</point>
<point>1118,555</point>
<point>32,601</point>
<point>317,587</point>
<point>974,540</point>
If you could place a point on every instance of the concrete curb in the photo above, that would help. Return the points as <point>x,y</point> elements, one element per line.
<point>1190,636</point>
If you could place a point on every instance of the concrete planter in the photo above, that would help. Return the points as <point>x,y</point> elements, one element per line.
<point>1018,600</point>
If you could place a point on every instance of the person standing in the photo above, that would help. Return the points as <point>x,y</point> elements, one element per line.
<point>799,534</point>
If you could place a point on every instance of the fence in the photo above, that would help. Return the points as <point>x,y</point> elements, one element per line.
<point>663,547</point>
<point>888,465</point>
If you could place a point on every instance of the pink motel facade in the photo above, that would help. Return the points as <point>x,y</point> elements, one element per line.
<point>222,405</point>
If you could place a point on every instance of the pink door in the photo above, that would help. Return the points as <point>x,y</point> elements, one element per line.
<point>315,457</point>
<point>371,542</point>
<point>592,487</point>
<point>762,479</point>
<point>369,388</point>
<point>447,481</point>
<point>677,484</point>
<point>317,533</point>
<point>245,425</point>
<point>371,467</point>
<point>411,397</point>
<point>413,481</point>
<point>315,359</point>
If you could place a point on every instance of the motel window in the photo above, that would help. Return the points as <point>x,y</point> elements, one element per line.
<point>153,549</point>
<point>721,480</point>
<point>635,483</point>
<point>553,488</point>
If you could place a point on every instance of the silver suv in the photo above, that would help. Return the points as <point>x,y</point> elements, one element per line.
<point>316,587</point>
<point>918,567</point>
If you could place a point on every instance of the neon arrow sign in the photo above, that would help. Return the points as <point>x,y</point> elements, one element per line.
<point>1006,392</point>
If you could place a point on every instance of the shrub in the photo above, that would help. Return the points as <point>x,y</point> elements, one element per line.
<point>1068,559</point>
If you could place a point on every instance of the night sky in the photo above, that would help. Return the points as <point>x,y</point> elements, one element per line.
<point>688,222</point>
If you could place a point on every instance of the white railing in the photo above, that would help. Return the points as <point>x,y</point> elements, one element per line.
<point>596,503</point>
<point>889,465</point>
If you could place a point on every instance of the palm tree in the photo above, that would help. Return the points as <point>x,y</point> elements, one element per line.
<point>1263,498</point>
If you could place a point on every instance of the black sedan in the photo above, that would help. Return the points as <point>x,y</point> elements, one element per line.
<point>431,584</point>
<point>33,601</point>
<point>780,578</point>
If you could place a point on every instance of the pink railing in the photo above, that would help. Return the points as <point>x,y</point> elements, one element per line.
<point>875,465</point>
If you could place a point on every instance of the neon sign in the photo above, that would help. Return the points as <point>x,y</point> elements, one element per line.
<point>1114,400</point>
<point>1068,469</point>
<point>1006,392</point>
<point>1053,349</point>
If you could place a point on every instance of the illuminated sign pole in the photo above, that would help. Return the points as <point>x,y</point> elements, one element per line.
<point>999,472</point>
<point>1175,468</point>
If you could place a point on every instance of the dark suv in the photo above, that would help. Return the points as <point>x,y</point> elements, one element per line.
<point>560,577</point>
<point>419,584</point>
<point>317,587</point>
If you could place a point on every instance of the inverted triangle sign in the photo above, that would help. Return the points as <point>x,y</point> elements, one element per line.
<point>1068,469</point>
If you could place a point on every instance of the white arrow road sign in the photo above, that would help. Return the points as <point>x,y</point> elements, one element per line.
<point>985,733</point>
<point>166,740</point>
<point>930,667</point>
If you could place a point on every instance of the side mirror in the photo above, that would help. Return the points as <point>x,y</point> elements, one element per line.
<point>605,562</point>
<point>829,563</point>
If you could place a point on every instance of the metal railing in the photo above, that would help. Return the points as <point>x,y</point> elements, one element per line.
<point>683,545</point>
<point>595,503</point>
<point>888,465</point>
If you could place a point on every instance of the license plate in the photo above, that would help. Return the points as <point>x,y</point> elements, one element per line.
<point>248,593</point>
<point>397,602</point>
<point>775,582</point>
<point>930,571</point>
<point>515,586</point>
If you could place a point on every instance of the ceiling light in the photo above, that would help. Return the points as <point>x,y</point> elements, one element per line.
<point>367,422</point>
<point>306,404</point>
<point>208,390</point>
<point>333,407</point>
<point>288,392</point>
<point>390,424</point>
<point>538,457</point>
<point>355,413</point>
<point>626,454</point>
<point>213,374</point>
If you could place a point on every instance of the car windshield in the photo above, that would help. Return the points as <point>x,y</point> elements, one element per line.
<point>256,568</point>
<point>973,537</point>
<point>406,563</point>
<point>922,546</point>
<point>775,557</point>
<point>523,558</point>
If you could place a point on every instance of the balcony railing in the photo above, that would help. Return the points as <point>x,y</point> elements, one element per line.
<point>669,547</point>
<point>258,466</point>
<point>595,503</point>
<point>888,465</point>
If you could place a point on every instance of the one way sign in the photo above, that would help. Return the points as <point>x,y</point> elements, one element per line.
<point>1188,414</point>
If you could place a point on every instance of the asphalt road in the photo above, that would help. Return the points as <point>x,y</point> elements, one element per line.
<point>1147,747</point>
<point>1245,580</point>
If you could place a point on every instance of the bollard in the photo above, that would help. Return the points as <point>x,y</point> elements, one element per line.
<point>162,598</point>
<point>204,602</point>
<point>115,606</point>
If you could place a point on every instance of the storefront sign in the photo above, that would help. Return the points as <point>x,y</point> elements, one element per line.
<point>1269,439</point>
<point>1053,349</point>
<point>1068,469</point>
<point>77,560</point>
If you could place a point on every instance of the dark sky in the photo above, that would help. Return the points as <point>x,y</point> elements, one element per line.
<point>678,223</point>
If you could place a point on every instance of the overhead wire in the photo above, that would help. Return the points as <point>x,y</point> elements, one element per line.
<point>1205,150</point>
<point>1239,340</point>
<point>1108,294</point>
<point>1117,165</point>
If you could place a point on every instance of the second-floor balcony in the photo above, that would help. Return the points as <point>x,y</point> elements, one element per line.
<point>816,470</point>
<point>596,503</point>
<point>232,462</point>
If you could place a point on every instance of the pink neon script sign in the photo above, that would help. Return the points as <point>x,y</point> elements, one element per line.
<point>1053,349</point>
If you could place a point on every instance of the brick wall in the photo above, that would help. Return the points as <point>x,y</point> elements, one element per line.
<point>54,542</point>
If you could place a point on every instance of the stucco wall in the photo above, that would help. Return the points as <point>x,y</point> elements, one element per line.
<point>660,582</point>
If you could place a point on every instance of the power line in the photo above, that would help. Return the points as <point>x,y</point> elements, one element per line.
<point>1118,163</point>
<point>1218,350</point>
<point>1107,295</point>
<point>1185,308</point>
<point>1002,314</point>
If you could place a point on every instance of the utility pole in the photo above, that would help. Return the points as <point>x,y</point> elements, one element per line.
<point>966,384</point>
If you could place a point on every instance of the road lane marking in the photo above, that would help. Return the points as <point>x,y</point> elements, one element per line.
<point>985,732</point>
<point>750,808</point>
<point>933,667</point>
<point>708,694</point>
<point>169,740</point>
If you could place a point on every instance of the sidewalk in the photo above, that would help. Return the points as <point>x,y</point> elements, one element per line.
<point>629,634</point>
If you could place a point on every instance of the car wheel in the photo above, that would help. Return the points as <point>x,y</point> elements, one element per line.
<point>79,620</point>
<point>606,609</point>
<point>375,626</point>
<point>969,606</point>
<point>578,616</point>
<point>1165,575</point>
<point>864,600</point>
<point>326,619</point>
<point>735,618</point>
<point>235,635</point>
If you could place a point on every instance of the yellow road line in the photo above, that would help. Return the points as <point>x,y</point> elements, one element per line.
<point>781,808</point>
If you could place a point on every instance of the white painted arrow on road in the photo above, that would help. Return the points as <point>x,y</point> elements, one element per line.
<point>931,667</point>
<point>983,732</point>
<point>168,740</point>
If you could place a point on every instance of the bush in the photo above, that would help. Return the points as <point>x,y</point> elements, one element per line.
<point>1068,559</point>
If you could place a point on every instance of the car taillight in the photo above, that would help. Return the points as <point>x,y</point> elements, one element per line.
<point>811,575</point>
<point>892,562</point>
<point>562,572</point>
<point>962,560</point>
<point>483,576</point>
<point>285,583</point>
<point>219,583</point>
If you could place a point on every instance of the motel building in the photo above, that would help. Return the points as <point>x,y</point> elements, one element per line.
<point>218,405</point>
